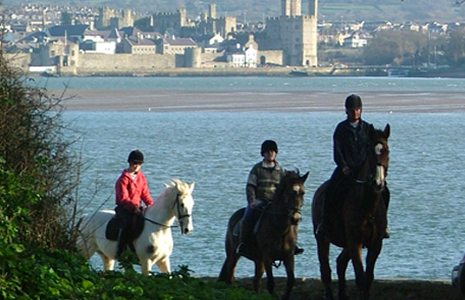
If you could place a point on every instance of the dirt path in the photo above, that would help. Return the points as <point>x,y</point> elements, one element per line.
<point>383,289</point>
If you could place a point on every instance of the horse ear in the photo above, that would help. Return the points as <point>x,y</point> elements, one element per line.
<point>387,130</point>
<point>371,131</point>
<point>191,186</point>
<point>305,177</point>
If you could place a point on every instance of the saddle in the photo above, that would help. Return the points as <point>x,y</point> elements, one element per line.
<point>114,225</point>
<point>257,217</point>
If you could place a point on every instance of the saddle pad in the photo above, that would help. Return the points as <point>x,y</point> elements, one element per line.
<point>112,230</point>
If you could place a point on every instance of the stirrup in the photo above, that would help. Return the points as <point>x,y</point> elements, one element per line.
<point>321,230</point>
<point>240,248</point>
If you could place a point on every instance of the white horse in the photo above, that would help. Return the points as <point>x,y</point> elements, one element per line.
<point>155,243</point>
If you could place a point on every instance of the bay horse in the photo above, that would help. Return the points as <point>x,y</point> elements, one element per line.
<point>359,222</point>
<point>155,242</point>
<point>274,238</point>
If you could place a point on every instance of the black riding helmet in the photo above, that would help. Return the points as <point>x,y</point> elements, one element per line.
<point>136,157</point>
<point>269,145</point>
<point>353,102</point>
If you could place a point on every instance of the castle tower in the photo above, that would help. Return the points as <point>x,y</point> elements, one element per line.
<point>296,7</point>
<point>293,33</point>
<point>310,52</point>
<point>105,15</point>
<point>291,7</point>
<point>44,17</point>
<point>212,11</point>
<point>313,8</point>
<point>182,16</point>
<point>285,7</point>
<point>127,19</point>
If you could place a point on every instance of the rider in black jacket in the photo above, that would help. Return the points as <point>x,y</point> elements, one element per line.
<point>350,141</point>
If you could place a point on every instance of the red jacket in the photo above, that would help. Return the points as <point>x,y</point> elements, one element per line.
<point>129,192</point>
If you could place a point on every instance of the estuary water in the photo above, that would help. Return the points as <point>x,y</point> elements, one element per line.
<point>216,149</point>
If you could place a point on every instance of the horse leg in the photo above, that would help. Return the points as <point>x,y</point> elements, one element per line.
<point>164,265</point>
<point>259,270</point>
<point>355,251</point>
<point>289,265</point>
<point>372,256</point>
<point>342,262</point>
<point>230,263</point>
<point>108,263</point>
<point>146,266</point>
<point>228,269</point>
<point>270,284</point>
<point>325,269</point>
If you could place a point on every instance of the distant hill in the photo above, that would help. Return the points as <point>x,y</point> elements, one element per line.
<point>256,10</point>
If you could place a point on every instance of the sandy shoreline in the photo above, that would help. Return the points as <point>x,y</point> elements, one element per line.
<point>273,101</point>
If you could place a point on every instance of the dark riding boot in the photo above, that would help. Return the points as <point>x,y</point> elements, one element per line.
<point>387,233</point>
<point>122,241</point>
<point>244,236</point>
<point>298,250</point>
<point>322,228</point>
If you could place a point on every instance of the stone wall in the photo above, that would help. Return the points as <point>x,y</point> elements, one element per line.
<point>124,63</point>
<point>19,60</point>
<point>270,57</point>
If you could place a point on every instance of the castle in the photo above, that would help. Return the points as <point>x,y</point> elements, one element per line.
<point>293,33</point>
<point>290,39</point>
<point>162,21</point>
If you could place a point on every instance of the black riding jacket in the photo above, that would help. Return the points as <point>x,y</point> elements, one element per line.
<point>349,144</point>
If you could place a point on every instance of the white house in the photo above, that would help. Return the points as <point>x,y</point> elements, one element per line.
<point>99,47</point>
<point>237,60</point>
<point>355,41</point>
<point>251,57</point>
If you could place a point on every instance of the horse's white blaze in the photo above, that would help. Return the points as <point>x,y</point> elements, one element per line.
<point>378,148</point>
<point>296,188</point>
<point>380,175</point>
<point>155,243</point>
<point>183,210</point>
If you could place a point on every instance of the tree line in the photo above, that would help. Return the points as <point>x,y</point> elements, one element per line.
<point>403,48</point>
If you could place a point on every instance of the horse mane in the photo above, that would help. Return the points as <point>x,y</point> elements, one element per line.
<point>182,187</point>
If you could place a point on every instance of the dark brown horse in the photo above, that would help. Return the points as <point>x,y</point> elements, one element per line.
<point>359,222</point>
<point>275,238</point>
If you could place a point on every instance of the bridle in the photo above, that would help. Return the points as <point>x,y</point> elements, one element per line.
<point>176,203</point>
<point>370,178</point>
<point>289,211</point>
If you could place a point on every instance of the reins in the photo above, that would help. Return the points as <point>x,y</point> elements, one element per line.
<point>177,203</point>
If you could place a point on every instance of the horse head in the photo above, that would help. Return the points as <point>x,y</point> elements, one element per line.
<point>290,194</point>
<point>378,155</point>
<point>183,204</point>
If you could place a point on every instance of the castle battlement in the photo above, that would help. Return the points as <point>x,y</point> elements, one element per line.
<point>286,18</point>
<point>166,14</point>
